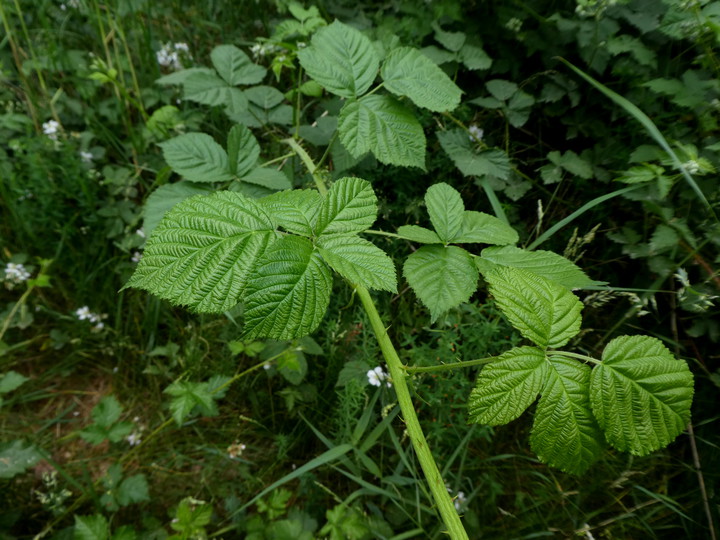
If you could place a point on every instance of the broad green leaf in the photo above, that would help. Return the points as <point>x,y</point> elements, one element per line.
<point>266,97</point>
<point>481,228</point>
<point>234,66</point>
<point>446,209</point>
<point>452,41</point>
<point>269,178</point>
<point>11,380</point>
<point>212,90</point>
<point>243,150</point>
<point>383,126</point>
<point>197,157</point>
<point>15,458</point>
<point>543,263</point>
<point>179,77</point>
<point>341,59</point>
<point>350,206</point>
<point>546,313</point>
<point>442,277</point>
<point>203,251</point>
<point>565,433</point>
<point>187,395</point>
<point>408,72</point>
<point>419,234</point>
<point>474,57</point>
<point>507,386</point>
<point>164,198</point>
<point>500,89</point>
<point>640,394</point>
<point>106,412</point>
<point>133,489</point>
<point>472,162</point>
<point>295,211</point>
<point>359,261</point>
<point>289,291</point>
<point>90,528</point>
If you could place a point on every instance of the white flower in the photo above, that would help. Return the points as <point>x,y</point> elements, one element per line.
<point>267,365</point>
<point>136,256</point>
<point>51,128</point>
<point>16,273</point>
<point>182,47</point>
<point>692,166</point>
<point>169,55</point>
<point>86,157</point>
<point>459,500</point>
<point>476,133</point>
<point>377,376</point>
<point>83,313</point>
<point>235,449</point>
<point>140,233</point>
<point>133,439</point>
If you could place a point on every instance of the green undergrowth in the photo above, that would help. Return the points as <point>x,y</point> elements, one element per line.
<point>122,416</point>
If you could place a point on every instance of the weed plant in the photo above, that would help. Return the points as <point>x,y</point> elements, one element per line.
<point>122,416</point>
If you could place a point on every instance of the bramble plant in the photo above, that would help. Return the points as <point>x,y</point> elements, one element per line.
<point>275,255</point>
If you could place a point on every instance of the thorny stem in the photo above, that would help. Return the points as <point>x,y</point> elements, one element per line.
<point>433,476</point>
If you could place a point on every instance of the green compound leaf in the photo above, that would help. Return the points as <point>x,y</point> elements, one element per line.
<point>203,251</point>
<point>446,208</point>
<point>481,228</point>
<point>543,263</point>
<point>470,161</point>
<point>442,277</point>
<point>187,395</point>
<point>197,157</point>
<point>234,66</point>
<point>289,292</point>
<point>243,150</point>
<point>408,72</point>
<point>546,313</point>
<point>385,127</point>
<point>508,386</point>
<point>341,59</point>
<point>295,211</point>
<point>640,394</point>
<point>209,89</point>
<point>415,233</point>
<point>565,433</point>
<point>350,206</point>
<point>359,261</point>
<point>133,489</point>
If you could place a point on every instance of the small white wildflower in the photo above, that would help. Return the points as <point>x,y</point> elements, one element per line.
<point>476,133</point>
<point>86,157</point>
<point>267,366</point>
<point>377,376</point>
<point>136,256</point>
<point>16,273</point>
<point>96,328</point>
<point>51,129</point>
<point>83,313</point>
<point>133,439</point>
<point>140,233</point>
<point>169,55</point>
<point>235,449</point>
<point>692,166</point>
<point>182,47</point>
<point>301,44</point>
<point>460,500</point>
